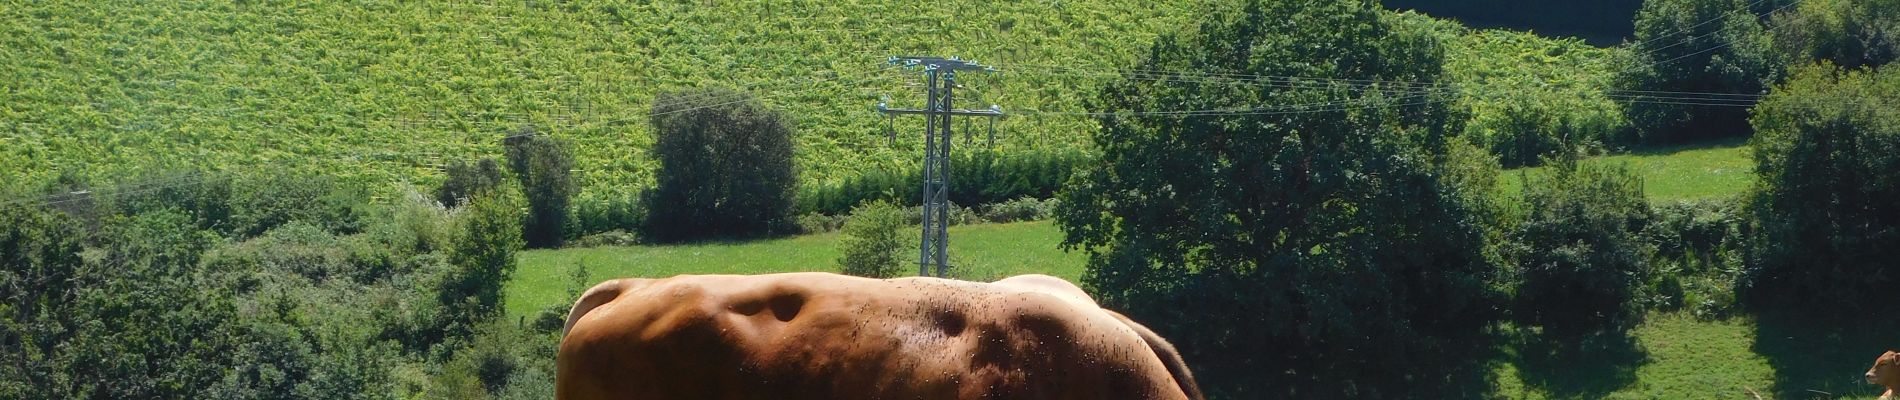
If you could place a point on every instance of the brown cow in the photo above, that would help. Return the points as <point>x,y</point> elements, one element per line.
<point>827,336</point>
<point>1886,372</point>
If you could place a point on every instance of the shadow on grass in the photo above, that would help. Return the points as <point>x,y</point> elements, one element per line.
<point>1820,359</point>
<point>1579,368</point>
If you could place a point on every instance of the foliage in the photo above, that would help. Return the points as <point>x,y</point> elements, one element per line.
<point>481,262</point>
<point>1356,233</point>
<point>1850,34</point>
<point>873,241</point>
<point>1523,96</point>
<point>1020,209</point>
<point>464,180</point>
<point>977,177</point>
<point>1579,263</point>
<point>543,164</point>
<point>724,171</point>
<point>598,213</point>
<point>1676,51</point>
<point>1825,150</point>
<point>1699,247</point>
<point>609,238</point>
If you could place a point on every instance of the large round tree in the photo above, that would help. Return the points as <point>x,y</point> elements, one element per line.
<point>1319,236</point>
<point>725,167</point>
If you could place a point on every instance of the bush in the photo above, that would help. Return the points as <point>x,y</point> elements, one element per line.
<point>545,166</point>
<point>1825,151</point>
<point>1020,209</point>
<point>609,238</point>
<point>1579,260</point>
<point>481,261</point>
<point>1531,129</point>
<point>873,241</point>
<point>1334,253</point>
<point>596,212</point>
<point>1676,52</point>
<point>272,198</point>
<point>725,170</point>
<point>977,177</point>
<point>464,180</point>
<point>811,223</point>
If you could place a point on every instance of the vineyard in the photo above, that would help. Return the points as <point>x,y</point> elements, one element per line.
<point>386,92</point>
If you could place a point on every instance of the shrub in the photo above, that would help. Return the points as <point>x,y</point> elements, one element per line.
<point>873,241</point>
<point>1334,253</point>
<point>977,177</point>
<point>545,166</point>
<point>1579,261</point>
<point>1020,209</point>
<point>268,199</point>
<point>609,238</point>
<point>464,180</point>
<point>596,212</point>
<point>481,261</point>
<point>1825,151</point>
<point>1676,52</point>
<point>1531,129</point>
<point>819,223</point>
<point>725,170</point>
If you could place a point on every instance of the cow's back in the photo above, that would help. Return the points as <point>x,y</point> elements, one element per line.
<point>813,335</point>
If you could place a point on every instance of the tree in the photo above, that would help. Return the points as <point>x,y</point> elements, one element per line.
<point>1849,33</point>
<point>544,165</point>
<point>481,261</point>
<point>1826,146</point>
<point>1703,46</point>
<point>1307,252</point>
<point>1579,261</point>
<point>725,168</point>
<point>873,241</point>
<point>464,180</point>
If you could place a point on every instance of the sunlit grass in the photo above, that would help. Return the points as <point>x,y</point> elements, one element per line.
<point>1686,172</point>
<point>982,251</point>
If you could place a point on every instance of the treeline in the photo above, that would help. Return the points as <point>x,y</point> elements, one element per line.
<point>261,285</point>
<point>1365,251</point>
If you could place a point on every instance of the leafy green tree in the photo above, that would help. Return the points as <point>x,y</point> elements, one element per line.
<point>545,166</point>
<point>1676,51</point>
<point>873,241</point>
<point>464,180</point>
<point>481,261</point>
<point>1849,33</point>
<point>725,168</point>
<point>1579,261</point>
<point>1826,146</point>
<point>1314,252</point>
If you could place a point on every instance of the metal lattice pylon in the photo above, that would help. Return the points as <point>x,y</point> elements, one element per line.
<point>939,100</point>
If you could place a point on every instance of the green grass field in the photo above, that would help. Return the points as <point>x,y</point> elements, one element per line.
<point>984,252</point>
<point>1675,173</point>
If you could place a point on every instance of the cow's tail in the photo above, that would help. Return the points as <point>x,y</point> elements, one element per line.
<point>1168,355</point>
<point>594,297</point>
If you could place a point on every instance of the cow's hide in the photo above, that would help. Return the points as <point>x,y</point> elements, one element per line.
<point>827,336</point>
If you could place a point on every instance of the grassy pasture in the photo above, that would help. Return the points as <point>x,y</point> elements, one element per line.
<point>985,251</point>
<point>1724,168</point>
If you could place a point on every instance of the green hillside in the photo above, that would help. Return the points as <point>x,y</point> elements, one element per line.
<point>384,91</point>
